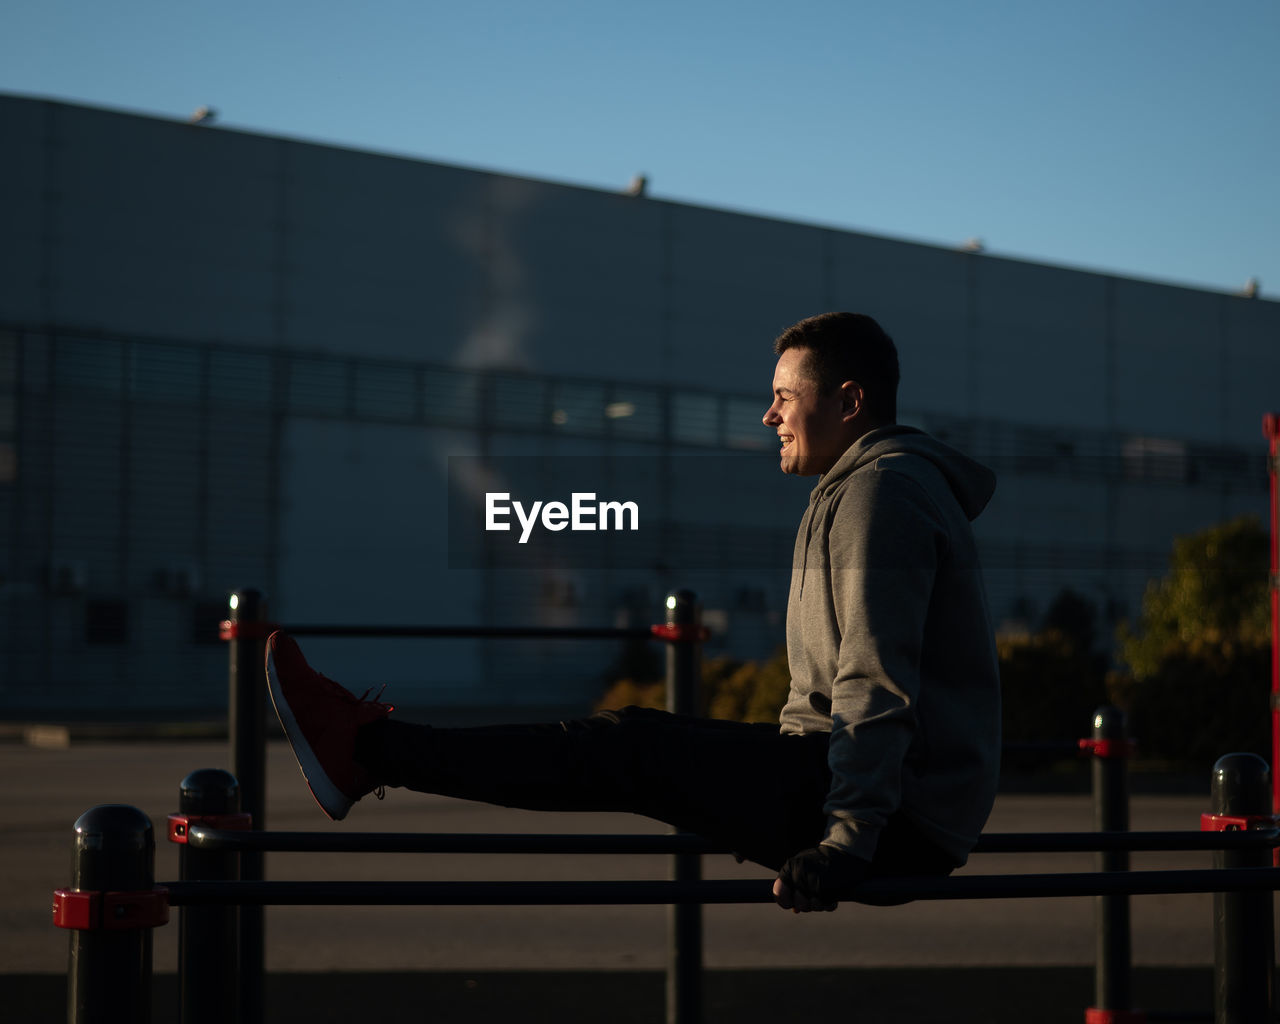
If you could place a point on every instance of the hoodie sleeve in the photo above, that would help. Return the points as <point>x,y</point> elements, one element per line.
<point>884,544</point>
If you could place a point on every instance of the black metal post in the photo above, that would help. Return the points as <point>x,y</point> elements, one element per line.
<point>684,920</point>
<point>109,971</point>
<point>1113,990</point>
<point>248,724</point>
<point>1243,930</point>
<point>209,936</point>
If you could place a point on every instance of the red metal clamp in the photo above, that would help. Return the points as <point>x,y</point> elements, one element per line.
<point>229,630</point>
<point>1094,1015</point>
<point>1235,822</point>
<point>1109,749</point>
<point>87,910</point>
<point>678,634</point>
<point>180,824</point>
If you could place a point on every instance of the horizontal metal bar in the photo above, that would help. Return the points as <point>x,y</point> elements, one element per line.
<point>474,632</point>
<point>1042,748</point>
<point>1092,842</point>
<point>199,837</point>
<point>203,838</point>
<point>875,891</point>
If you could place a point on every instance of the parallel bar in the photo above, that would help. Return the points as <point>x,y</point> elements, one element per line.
<point>1092,842</point>
<point>202,837</point>
<point>962,887</point>
<point>474,632</point>
<point>463,842</point>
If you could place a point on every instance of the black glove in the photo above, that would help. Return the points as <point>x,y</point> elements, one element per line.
<point>825,873</point>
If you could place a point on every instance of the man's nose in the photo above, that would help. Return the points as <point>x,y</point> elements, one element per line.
<point>770,417</point>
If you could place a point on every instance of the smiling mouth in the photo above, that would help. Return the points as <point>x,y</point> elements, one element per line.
<point>786,440</point>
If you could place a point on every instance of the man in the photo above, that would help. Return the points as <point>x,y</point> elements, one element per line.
<point>886,758</point>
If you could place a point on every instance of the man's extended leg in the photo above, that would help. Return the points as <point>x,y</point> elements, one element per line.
<point>744,785</point>
<point>759,792</point>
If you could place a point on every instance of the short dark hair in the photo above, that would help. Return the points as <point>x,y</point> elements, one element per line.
<point>848,346</point>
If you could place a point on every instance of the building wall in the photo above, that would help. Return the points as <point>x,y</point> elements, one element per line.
<point>231,360</point>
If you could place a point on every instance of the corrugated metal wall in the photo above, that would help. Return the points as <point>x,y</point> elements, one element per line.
<point>153,477</point>
<point>231,360</point>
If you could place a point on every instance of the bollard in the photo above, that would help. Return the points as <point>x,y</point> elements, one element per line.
<point>208,936</point>
<point>684,920</point>
<point>1112,979</point>
<point>246,633</point>
<point>111,909</point>
<point>1243,931</point>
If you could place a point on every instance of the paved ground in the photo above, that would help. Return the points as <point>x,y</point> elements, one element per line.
<point>48,788</point>
<point>938,995</point>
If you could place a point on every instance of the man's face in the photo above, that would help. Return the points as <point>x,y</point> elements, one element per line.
<point>813,428</point>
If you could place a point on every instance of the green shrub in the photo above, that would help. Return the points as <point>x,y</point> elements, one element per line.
<point>1050,686</point>
<point>733,689</point>
<point>1196,678</point>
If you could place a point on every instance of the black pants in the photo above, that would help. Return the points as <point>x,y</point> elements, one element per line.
<point>748,786</point>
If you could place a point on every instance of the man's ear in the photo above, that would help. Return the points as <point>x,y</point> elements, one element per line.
<point>851,400</point>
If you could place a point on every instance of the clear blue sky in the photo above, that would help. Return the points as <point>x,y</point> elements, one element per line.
<point>1140,137</point>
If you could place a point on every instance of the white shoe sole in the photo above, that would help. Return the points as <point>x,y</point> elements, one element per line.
<point>331,799</point>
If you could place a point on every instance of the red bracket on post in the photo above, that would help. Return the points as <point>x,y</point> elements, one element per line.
<point>1235,822</point>
<point>675,634</point>
<point>1109,749</point>
<point>180,824</point>
<point>229,630</point>
<point>1093,1015</point>
<point>82,910</point>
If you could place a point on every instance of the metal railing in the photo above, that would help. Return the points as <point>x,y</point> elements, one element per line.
<point>222,891</point>
<point>114,904</point>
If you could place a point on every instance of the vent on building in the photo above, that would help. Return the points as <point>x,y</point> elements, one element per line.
<point>68,578</point>
<point>206,620</point>
<point>106,621</point>
<point>1155,459</point>
<point>178,580</point>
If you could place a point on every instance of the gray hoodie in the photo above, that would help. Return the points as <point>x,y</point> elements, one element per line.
<point>890,641</point>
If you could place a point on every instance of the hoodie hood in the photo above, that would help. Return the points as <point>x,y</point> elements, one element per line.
<point>972,483</point>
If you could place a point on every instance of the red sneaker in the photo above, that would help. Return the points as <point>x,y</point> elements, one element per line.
<point>320,718</point>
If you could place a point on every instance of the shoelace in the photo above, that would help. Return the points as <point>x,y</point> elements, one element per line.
<point>376,699</point>
<point>380,791</point>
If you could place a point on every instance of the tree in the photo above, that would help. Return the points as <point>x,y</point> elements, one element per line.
<point>1197,679</point>
<point>1052,680</point>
